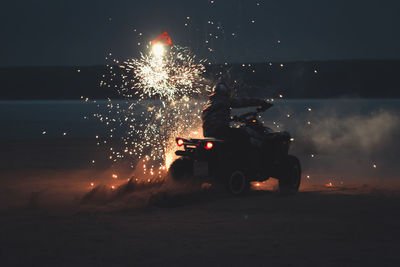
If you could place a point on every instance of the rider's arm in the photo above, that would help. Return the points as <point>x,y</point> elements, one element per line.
<point>246,102</point>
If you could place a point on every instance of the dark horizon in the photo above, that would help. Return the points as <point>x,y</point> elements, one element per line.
<point>350,78</point>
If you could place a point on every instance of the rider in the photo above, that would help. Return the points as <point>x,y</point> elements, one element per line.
<point>216,115</point>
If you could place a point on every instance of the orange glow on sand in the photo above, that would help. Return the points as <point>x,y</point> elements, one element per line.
<point>268,185</point>
<point>330,185</point>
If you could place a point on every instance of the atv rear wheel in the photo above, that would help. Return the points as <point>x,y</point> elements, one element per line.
<point>181,169</point>
<point>237,182</point>
<point>290,177</point>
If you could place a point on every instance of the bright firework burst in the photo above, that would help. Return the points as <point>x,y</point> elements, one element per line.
<point>167,73</point>
<point>164,90</point>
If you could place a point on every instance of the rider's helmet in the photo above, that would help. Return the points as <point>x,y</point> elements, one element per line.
<point>224,86</point>
<point>221,89</point>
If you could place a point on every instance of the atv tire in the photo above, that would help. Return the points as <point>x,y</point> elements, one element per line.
<point>237,182</point>
<point>181,169</point>
<point>290,177</point>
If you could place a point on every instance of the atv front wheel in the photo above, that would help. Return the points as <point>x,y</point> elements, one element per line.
<point>290,177</point>
<point>237,182</point>
<point>181,169</point>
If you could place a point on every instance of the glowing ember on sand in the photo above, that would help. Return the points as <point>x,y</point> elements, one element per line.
<point>330,185</point>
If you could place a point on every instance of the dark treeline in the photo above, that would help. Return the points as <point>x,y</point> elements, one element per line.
<point>318,79</point>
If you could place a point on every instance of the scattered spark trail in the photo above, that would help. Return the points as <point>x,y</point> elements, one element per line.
<point>164,91</point>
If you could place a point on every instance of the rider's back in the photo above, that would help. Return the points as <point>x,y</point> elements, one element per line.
<point>215,115</point>
<point>217,112</point>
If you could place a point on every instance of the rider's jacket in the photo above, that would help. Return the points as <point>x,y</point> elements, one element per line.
<point>217,112</point>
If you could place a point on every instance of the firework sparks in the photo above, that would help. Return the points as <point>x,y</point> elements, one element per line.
<point>162,89</point>
<point>167,73</point>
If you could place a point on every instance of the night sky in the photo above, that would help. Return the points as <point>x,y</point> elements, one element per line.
<point>56,32</point>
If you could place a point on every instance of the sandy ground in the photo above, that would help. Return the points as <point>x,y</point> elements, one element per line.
<point>49,219</point>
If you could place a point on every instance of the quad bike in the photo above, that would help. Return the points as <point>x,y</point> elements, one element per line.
<point>235,165</point>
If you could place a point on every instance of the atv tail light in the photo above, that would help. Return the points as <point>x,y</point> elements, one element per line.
<point>180,142</point>
<point>209,145</point>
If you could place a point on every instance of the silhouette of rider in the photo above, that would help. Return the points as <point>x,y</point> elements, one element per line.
<point>216,115</point>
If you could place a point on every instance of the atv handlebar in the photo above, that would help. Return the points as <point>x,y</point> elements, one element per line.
<point>253,113</point>
<point>243,117</point>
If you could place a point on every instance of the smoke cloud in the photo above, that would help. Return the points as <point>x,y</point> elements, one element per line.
<point>349,148</point>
